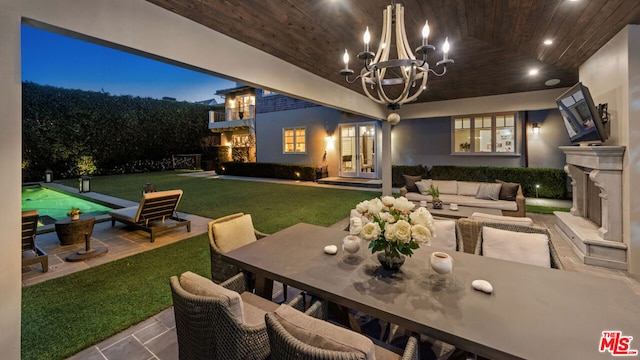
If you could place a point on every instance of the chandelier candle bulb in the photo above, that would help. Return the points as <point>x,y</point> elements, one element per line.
<point>425,34</point>
<point>445,49</point>
<point>366,38</point>
<point>345,58</point>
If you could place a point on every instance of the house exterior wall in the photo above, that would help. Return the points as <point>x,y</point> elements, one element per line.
<point>319,121</point>
<point>542,149</point>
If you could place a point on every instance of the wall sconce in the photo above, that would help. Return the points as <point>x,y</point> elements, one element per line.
<point>85,184</point>
<point>535,128</point>
<point>48,176</point>
<point>329,141</point>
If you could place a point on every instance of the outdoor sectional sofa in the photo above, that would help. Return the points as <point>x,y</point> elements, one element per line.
<point>500,195</point>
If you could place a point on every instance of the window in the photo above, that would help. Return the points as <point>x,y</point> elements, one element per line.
<point>484,133</point>
<point>294,140</point>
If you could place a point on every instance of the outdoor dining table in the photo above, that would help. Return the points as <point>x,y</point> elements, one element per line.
<point>533,312</point>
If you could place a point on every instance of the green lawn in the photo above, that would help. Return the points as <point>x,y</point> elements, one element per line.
<point>65,315</point>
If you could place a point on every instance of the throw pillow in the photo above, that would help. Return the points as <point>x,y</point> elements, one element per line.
<point>508,191</point>
<point>410,182</point>
<point>323,334</point>
<point>445,237</point>
<point>199,285</point>
<point>526,248</point>
<point>423,185</point>
<point>489,191</point>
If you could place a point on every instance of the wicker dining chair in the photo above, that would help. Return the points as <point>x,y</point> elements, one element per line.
<point>222,239</point>
<point>317,339</point>
<point>207,320</point>
<point>553,254</point>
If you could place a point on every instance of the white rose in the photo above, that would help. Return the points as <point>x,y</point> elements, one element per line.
<point>389,233</point>
<point>375,206</point>
<point>362,207</point>
<point>355,226</point>
<point>402,204</point>
<point>402,231</point>
<point>370,231</point>
<point>388,201</point>
<point>386,217</point>
<point>421,216</point>
<point>421,234</point>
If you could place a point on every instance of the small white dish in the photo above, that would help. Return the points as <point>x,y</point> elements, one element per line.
<point>453,207</point>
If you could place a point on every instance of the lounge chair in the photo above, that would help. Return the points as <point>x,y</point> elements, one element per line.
<point>152,212</point>
<point>29,227</point>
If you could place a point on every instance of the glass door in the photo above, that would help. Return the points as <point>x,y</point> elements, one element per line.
<point>358,150</point>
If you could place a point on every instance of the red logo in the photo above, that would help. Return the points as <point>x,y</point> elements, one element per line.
<point>617,344</point>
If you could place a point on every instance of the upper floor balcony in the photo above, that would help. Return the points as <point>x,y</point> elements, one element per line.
<point>232,119</point>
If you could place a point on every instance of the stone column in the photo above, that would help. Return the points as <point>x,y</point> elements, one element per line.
<point>610,185</point>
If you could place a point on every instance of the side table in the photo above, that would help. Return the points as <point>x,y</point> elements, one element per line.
<point>74,232</point>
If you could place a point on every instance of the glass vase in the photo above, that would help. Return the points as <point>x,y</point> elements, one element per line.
<point>389,262</point>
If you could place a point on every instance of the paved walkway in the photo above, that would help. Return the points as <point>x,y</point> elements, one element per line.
<point>155,338</point>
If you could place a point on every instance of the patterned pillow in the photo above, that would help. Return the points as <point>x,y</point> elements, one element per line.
<point>423,186</point>
<point>489,191</point>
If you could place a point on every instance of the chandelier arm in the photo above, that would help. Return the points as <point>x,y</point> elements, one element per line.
<point>423,85</point>
<point>444,71</point>
<point>385,39</point>
<point>366,92</point>
<point>346,78</point>
<point>402,43</point>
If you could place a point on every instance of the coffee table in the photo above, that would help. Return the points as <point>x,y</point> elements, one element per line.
<point>533,313</point>
<point>462,212</point>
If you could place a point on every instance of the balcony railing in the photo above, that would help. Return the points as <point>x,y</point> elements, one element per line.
<point>232,115</point>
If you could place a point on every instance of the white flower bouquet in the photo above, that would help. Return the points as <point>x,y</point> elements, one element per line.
<point>390,225</point>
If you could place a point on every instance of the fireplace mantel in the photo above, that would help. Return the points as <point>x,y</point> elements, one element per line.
<point>602,165</point>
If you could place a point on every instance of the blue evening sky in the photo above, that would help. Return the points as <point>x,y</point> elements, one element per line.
<point>57,60</point>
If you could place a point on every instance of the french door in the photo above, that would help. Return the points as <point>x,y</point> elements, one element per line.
<point>358,150</point>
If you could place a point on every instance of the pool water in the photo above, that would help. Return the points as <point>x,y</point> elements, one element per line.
<point>53,205</point>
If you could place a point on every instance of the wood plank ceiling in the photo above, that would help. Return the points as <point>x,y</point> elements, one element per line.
<point>494,42</point>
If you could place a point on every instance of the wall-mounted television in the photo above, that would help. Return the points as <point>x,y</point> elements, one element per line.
<point>581,117</point>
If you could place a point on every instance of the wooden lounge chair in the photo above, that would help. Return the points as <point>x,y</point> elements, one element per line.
<point>29,227</point>
<point>151,215</point>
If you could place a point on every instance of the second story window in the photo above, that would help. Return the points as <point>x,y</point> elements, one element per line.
<point>294,140</point>
<point>492,133</point>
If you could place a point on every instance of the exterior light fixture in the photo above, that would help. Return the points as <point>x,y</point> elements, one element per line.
<point>533,72</point>
<point>535,128</point>
<point>406,71</point>
<point>85,184</point>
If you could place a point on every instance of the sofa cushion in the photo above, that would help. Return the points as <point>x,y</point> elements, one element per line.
<point>520,247</point>
<point>446,186</point>
<point>489,191</point>
<point>423,185</point>
<point>322,334</point>
<point>511,220</point>
<point>445,235</point>
<point>468,188</point>
<point>508,191</point>
<point>198,285</point>
<point>466,201</point>
<point>410,182</point>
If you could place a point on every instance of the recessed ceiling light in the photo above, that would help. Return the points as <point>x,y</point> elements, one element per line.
<point>533,72</point>
<point>552,82</point>
<point>548,42</point>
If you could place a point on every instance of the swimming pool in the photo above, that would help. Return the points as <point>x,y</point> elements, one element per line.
<point>53,205</point>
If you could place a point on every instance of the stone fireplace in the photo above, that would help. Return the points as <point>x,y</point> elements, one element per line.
<point>594,225</point>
